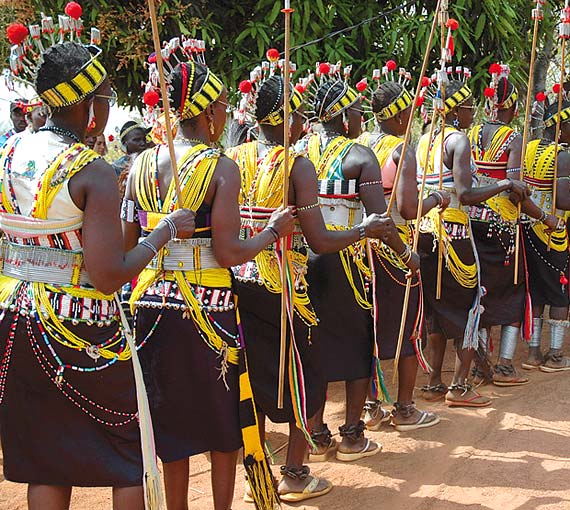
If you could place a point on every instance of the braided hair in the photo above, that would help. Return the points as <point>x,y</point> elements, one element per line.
<point>59,64</point>
<point>269,97</point>
<point>452,87</point>
<point>385,95</point>
<point>326,95</point>
<point>180,89</point>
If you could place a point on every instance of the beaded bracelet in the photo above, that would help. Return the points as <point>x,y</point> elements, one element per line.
<point>543,216</point>
<point>369,183</point>
<point>274,232</point>
<point>307,207</point>
<point>171,227</point>
<point>361,232</point>
<point>147,244</point>
<point>438,197</point>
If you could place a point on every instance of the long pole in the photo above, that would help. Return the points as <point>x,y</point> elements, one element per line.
<point>165,104</point>
<point>286,113</point>
<point>558,119</point>
<point>414,106</point>
<point>442,17</point>
<point>404,315</point>
<point>536,16</point>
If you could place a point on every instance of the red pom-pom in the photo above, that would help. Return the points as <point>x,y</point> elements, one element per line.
<point>361,85</point>
<point>151,58</point>
<point>426,81</point>
<point>16,33</point>
<point>300,88</point>
<point>420,100</point>
<point>272,55</point>
<point>563,280</point>
<point>452,24</point>
<point>111,138</point>
<point>495,68</point>
<point>151,98</point>
<point>489,92</point>
<point>556,88</point>
<point>391,65</point>
<point>73,10</point>
<point>541,96</point>
<point>324,68</point>
<point>245,87</point>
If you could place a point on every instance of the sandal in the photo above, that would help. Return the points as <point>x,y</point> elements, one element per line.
<point>480,377</point>
<point>311,490</point>
<point>433,393</point>
<point>555,361</point>
<point>425,420</point>
<point>325,443</point>
<point>375,415</point>
<point>355,433</point>
<point>506,375</point>
<point>476,400</point>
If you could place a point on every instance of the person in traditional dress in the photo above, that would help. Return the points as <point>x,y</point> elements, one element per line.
<point>446,158</point>
<point>262,169</point>
<point>133,141</point>
<point>18,119</point>
<point>349,182</point>
<point>186,319</point>
<point>68,410</point>
<point>391,107</point>
<point>548,268</point>
<point>496,152</point>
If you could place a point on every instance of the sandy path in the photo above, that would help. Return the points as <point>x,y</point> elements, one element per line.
<point>514,455</point>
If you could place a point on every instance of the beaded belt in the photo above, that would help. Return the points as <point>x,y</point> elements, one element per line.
<point>485,180</point>
<point>341,212</point>
<point>42,264</point>
<point>185,255</point>
<point>254,220</point>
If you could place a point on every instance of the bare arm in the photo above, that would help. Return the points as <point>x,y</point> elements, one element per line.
<point>563,182</point>
<point>514,161</point>
<point>131,230</point>
<point>95,191</point>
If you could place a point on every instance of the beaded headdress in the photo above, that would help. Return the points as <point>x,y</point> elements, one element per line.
<point>543,100</point>
<point>430,95</point>
<point>494,103</point>
<point>387,74</point>
<point>181,50</point>
<point>30,43</point>
<point>249,90</point>
<point>340,96</point>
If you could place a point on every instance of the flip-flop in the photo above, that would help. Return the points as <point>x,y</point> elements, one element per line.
<point>366,451</point>
<point>386,415</point>
<point>439,390</point>
<point>420,424</point>
<point>467,402</point>
<point>310,491</point>
<point>322,457</point>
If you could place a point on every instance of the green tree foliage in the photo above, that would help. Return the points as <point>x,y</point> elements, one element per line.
<point>239,33</point>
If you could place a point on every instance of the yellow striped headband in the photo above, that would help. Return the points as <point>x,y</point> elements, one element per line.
<point>277,117</point>
<point>399,104</point>
<point>564,116</point>
<point>344,100</point>
<point>209,92</point>
<point>71,92</point>
<point>510,101</point>
<point>457,98</point>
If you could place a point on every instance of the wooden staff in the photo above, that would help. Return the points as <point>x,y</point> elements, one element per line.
<point>165,103</point>
<point>441,163</point>
<point>558,124</point>
<point>414,248</point>
<point>286,113</point>
<point>414,106</point>
<point>536,16</point>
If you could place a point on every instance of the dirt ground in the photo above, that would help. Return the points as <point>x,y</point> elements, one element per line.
<point>513,455</point>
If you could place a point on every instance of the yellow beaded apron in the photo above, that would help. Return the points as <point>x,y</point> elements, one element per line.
<point>196,169</point>
<point>328,164</point>
<point>262,187</point>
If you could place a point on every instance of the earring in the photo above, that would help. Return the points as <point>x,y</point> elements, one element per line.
<point>345,121</point>
<point>455,122</point>
<point>91,124</point>
<point>212,127</point>
<point>400,120</point>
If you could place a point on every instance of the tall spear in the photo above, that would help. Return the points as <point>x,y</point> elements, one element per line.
<point>564,34</point>
<point>397,178</point>
<point>537,15</point>
<point>285,297</point>
<point>165,103</point>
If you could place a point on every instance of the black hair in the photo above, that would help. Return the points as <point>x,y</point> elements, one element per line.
<point>452,87</point>
<point>238,133</point>
<point>326,94</point>
<point>385,95</point>
<point>269,97</point>
<point>177,82</point>
<point>60,63</point>
<point>504,89</point>
<point>552,109</point>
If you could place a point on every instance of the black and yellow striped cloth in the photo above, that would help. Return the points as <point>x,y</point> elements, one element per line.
<point>277,117</point>
<point>457,98</point>
<point>399,104</point>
